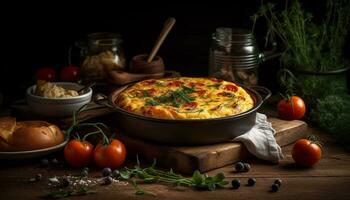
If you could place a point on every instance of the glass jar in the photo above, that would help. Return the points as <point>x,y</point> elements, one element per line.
<point>234,56</point>
<point>101,53</point>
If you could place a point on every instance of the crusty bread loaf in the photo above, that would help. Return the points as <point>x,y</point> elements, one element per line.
<point>28,135</point>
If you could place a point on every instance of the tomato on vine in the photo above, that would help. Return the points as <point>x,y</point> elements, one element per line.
<point>111,154</point>
<point>78,153</point>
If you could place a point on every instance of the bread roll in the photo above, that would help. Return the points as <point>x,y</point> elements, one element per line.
<point>29,135</point>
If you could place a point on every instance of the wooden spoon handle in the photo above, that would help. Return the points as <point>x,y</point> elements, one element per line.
<point>168,25</point>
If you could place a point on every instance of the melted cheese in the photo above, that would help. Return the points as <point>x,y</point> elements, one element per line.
<point>185,98</point>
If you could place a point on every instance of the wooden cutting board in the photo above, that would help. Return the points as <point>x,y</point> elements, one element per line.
<point>186,159</point>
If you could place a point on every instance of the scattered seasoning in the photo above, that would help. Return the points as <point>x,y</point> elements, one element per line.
<point>38,177</point>
<point>65,182</point>
<point>84,173</point>
<point>65,186</point>
<point>53,181</point>
<point>86,169</point>
<point>251,182</point>
<point>70,192</point>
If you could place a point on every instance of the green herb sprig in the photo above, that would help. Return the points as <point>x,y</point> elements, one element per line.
<point>308,45</point>
<point>152,175</point>
<point>175,98</point>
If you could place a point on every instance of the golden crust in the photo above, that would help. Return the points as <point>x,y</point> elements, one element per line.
<point>185,98</point>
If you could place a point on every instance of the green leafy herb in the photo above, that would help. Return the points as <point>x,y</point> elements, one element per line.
<point>151,102</point>
<point>140,190</point>
<point>216,85</point>
<point>188,90</point>
<point>191,111</point>
<point>145,93</point>
<point>175,98</point>
<point>228,94</point>
<point>152,175</point>
<point>308,45</point>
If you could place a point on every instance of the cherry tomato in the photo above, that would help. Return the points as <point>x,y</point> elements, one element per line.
<point>113,155</point>
<point>306,153</point>
<point>46,74</point>
<point>78,153</point>
<point>70,74</point>
<point>290,109</point>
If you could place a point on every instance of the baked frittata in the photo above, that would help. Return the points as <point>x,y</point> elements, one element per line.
<point>185,98</point>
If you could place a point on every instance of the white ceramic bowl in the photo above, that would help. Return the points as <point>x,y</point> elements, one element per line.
<point>60,107</point>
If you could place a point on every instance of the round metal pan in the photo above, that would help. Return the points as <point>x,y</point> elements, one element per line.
<point>187,131</point>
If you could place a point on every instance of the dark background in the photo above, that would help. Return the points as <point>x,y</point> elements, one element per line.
<point>39,35</point>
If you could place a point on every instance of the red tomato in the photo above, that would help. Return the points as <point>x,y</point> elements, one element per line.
<point>231,88</point>
<point>113,155</point>
<point>70,74</point>
<point>290,109</point>
<point>305,153</point>
<point>46,74</point>
<point>78,153</point>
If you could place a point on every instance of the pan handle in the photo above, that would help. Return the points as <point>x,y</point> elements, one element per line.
<point>102,99</point>
<point>265,92</point>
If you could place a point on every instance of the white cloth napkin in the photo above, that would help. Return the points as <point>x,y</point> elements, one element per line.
<point>260,140</point>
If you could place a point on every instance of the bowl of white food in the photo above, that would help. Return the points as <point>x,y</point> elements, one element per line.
<point>57,99</point>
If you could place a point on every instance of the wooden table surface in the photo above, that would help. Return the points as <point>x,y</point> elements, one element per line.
<point>330,179</point>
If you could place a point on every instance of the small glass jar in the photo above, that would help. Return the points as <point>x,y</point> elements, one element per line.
<point>234,56</point>
<point>101,53</point>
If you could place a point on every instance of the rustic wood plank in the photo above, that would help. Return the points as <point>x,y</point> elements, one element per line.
<point>329,179</point>
<point>186,159</point>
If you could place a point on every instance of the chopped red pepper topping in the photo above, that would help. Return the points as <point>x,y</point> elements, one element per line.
<point>190,105</point>
<point>231,88</point>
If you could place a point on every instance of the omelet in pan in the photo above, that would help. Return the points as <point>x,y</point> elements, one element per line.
<point>185,98</point>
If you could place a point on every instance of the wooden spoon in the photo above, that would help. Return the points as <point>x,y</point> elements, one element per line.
<point>168,25</point>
